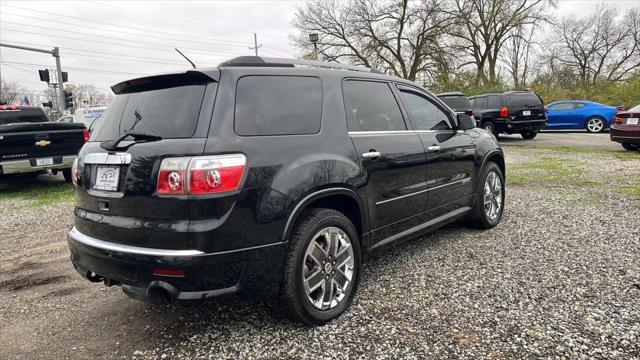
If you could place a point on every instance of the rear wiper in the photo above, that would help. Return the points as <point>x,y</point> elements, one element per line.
<point>111,145</point>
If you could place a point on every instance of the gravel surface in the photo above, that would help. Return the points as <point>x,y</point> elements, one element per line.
<point>559,277</point>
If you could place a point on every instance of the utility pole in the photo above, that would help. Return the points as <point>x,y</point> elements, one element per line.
<point>255,44</point>
<point>56,54</point>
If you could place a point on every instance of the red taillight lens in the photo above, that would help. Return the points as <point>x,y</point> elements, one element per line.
<point>504,112</point>
<point>85,135</point>
<point>74,172</point>
<point>618,120</point>
<point>201,174</point>
<point>172,178</point>
<point>168,272</point>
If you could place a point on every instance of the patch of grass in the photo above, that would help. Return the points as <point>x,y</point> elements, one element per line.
<point>631,190</point>
<point>579,197</point>
<point>40,194</point>
<point>548,170</point>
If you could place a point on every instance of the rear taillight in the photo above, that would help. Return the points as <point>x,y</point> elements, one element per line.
<point>201,174</point>
<point>85,135</point>
<point>74,172</point>
<point>504,112</point>
<point>618,120</point>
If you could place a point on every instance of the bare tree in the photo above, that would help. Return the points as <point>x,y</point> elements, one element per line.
<point>517,55</point>
<point>404,38</point>
<point>604,46</point>
<point>85,95</point>
<point>486,25</point>
<point>10,92</point>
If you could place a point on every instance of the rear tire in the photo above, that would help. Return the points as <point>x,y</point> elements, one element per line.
<point>490,127</point>
<point>311,252</point>
<point>528,135</point>
<point>595,125</point>
<point>484,214</point>
<point>631,147</point>
<point>66,173</point>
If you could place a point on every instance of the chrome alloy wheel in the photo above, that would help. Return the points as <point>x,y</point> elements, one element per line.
<point>595,125</point>
<point>492,195</point>
<point>327,269</point>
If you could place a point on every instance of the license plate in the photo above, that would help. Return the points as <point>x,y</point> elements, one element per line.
<point>526,113</point>
<point>44,161</point>
<point>632,121</point>
<point>107,178</point>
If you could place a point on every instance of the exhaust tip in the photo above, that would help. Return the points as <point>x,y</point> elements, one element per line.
<point>160,296</point>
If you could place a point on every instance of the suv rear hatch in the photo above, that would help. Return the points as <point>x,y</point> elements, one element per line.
<point>117,199</point>
<point>27,133</point>
<point>525,106</point>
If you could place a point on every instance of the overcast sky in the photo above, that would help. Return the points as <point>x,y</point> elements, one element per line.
<point>104,42</point>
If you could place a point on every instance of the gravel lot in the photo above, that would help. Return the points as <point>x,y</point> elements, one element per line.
<point>560,276</point>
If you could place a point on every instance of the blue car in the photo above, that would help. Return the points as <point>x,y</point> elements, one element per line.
<point>577,114</point>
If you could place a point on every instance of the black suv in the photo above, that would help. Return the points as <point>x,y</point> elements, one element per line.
<point>263,177</point>
<point>457,101</point>
<point>510,112</point>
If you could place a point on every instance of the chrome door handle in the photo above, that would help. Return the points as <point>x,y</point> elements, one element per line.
<point>371,155</point>
<point>433,148</point>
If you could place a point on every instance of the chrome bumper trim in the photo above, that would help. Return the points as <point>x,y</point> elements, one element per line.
<point>24,166</point>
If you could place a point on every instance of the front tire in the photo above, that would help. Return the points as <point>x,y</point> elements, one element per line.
<point>528,135</point>
<point>631,147</point>
<point>595,125</point>
<point>322,267</point>
<point>489,202</point>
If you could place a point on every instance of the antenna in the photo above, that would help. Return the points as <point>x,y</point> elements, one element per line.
<point>185,56</point>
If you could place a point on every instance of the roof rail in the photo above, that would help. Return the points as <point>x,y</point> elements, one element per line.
<point>282,62</point>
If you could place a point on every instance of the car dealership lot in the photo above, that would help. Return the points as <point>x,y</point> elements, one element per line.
<point>559,276</point>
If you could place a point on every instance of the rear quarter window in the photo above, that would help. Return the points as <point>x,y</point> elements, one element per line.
<point>278,105</point>
<point>523,99</point>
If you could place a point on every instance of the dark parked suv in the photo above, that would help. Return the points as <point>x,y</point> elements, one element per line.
<point>269,179</point>
<point>510,112</point>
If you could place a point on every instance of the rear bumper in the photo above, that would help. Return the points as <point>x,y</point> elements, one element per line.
<point>183,274</point>
<point>508,126</point>
<point>29,165</point>
<point>625,134</point>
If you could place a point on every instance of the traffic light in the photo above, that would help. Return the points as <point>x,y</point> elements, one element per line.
<point>68,99</point>
<point>44,75</point>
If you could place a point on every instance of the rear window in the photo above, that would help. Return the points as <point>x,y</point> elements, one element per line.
<point>171,113</point>
<point>278,105</point>
<point>22,116</point>
<point>523,99</point>
<point>457,102</point>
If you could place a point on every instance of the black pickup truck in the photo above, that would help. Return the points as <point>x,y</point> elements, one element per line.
<point>29,143</point>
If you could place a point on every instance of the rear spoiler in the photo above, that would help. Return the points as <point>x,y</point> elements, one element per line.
<point>165,81</point>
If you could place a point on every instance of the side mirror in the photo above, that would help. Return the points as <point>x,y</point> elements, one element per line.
<point>466,122</point>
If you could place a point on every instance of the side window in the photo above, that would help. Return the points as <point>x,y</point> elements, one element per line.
<point>481,103</point>
<point>472,101</point>
<point>278,105</point>
<point>562,106</point>
<point>579,105</point>
<point>371,106</point>
<point>493,102</point>
<point>427,115</point>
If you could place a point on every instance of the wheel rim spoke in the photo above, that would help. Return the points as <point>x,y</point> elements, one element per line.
<point>327,296</point>
<point>343,257</point>
<point>313,281</point>
<point>340,279</point>
<point>317,254</point>
<point>492,195</point>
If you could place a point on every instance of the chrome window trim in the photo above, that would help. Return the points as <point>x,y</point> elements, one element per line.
<point>393,132</point>
<point>425,190</point>
<point>107,158</point>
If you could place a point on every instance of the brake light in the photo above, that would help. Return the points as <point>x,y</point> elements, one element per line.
<point>618,120</point>
<point>74,172</point>
<point>9,108</point>
<point>85,135</point>
<point>504,112</point>
<point>201,174</point>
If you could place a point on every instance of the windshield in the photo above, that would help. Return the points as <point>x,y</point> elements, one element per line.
<point>170,113</point>
<point>524,99</point>
<point>457,102</point>
<point>22,116</point>
<point>634,109</point>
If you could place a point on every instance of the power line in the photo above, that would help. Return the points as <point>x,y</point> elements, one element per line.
<point>75,68</point>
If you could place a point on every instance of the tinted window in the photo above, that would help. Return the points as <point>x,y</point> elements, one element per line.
<point>493,102</point>
<point>580,105</point>
<point>481,103</point>
<point>457,103</point>
<point>170,113</point>
<point>523,99</point>
<point>561,106</point>
<point>278,105</point>
<point>427,115</point>
<point>22,116</point>
<point>371,106</point>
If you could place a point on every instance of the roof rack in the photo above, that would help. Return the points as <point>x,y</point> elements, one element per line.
<point>258,61</point>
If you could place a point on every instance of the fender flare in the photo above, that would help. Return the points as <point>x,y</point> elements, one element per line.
<point>319,194</point>
<point>484,162</point>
